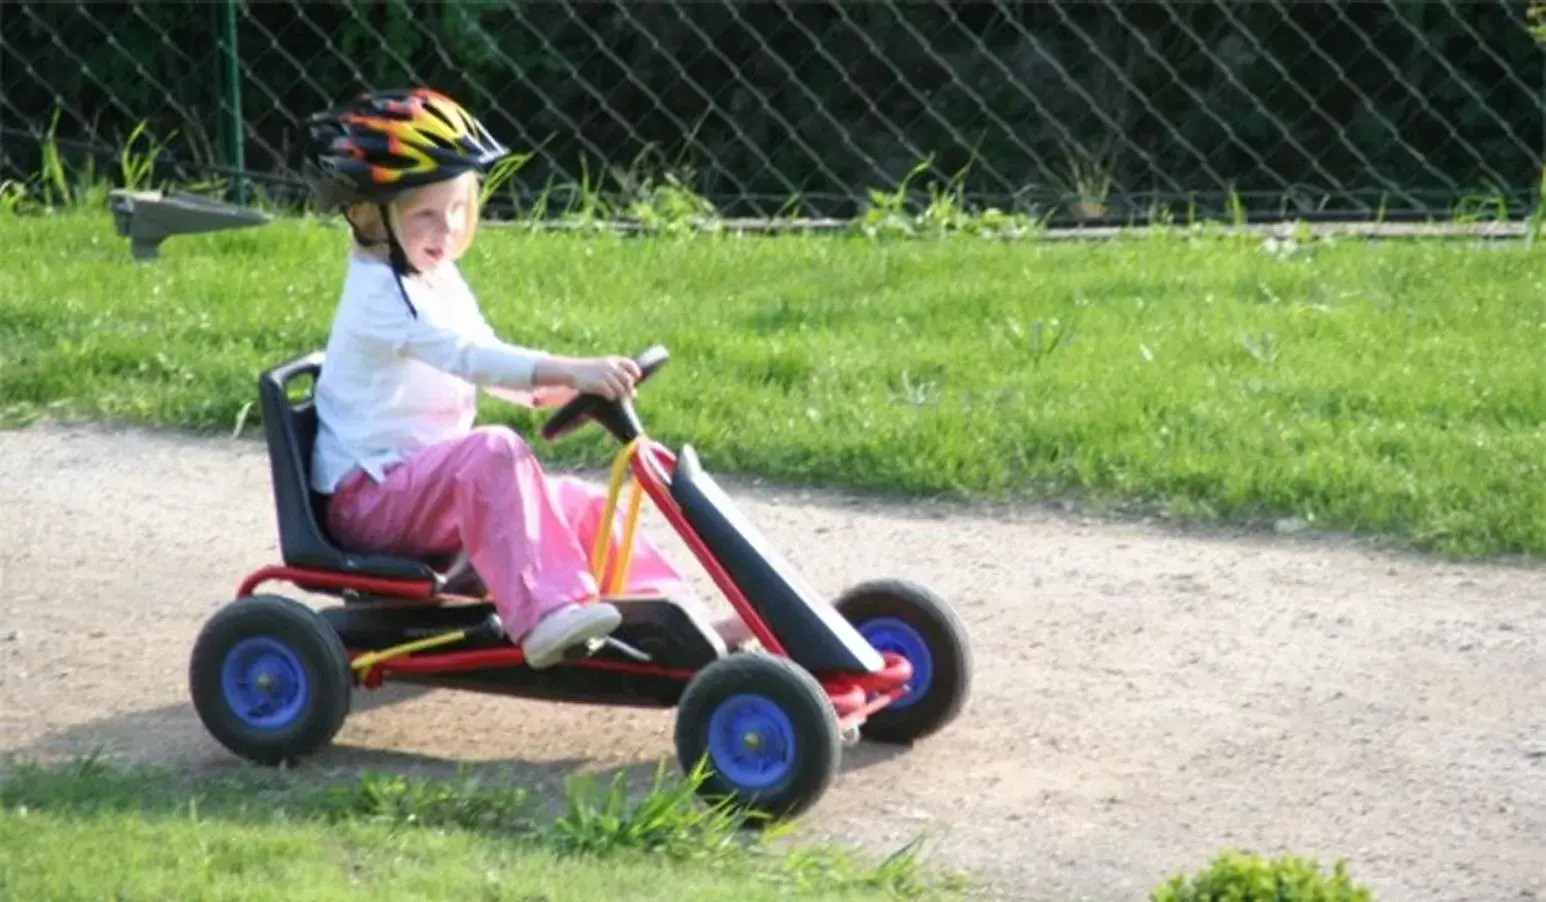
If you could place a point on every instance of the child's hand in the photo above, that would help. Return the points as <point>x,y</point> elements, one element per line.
<point>610,377</point>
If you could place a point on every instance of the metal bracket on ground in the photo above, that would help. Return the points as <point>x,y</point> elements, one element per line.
<point>148,218</point>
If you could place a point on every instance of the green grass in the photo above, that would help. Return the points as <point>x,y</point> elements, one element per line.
<point>1396,388</point>
<point>86,831</point>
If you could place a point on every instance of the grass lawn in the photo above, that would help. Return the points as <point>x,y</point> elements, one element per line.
<point>131,858</point>
<point>1395,388</point>
<point>86,832</point>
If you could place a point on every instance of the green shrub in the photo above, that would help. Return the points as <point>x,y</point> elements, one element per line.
<point>1246,877</point>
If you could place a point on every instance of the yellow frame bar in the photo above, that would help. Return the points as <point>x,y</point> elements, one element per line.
<point>601,550</point>
<point>366,661</point>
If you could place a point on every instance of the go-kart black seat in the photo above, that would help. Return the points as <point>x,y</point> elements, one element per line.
<point>290,426</point>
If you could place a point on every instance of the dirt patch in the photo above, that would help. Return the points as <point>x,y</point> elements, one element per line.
<point>1143,698</point>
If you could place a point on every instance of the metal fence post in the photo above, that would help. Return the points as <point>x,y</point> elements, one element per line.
<point>236,155</point>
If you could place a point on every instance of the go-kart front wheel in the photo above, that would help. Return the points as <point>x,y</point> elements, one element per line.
<point>270,679</point>
<point>906,619</point>
<point>768,731</point>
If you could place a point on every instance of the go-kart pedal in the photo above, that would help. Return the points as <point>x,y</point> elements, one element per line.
<point>592,647</point>
<point>625,648</point>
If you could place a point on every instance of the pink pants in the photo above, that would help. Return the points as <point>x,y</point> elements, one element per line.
<point>529,535</point>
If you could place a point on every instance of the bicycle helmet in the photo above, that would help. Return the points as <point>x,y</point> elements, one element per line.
<point>382,143</point>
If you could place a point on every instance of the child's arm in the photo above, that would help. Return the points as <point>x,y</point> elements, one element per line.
<point>566,383</point>
<point>480,357</point>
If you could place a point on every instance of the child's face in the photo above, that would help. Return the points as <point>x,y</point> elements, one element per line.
<point>433,220</point>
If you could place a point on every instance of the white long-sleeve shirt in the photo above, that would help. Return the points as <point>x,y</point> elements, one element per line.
<point>397,379</point>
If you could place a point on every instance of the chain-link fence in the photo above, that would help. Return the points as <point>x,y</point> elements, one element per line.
<point>1103,107</point>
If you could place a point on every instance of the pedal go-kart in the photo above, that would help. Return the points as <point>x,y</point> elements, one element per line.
<point>271,678</point>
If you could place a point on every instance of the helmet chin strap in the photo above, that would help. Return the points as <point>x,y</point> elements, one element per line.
<point>399,258</point>
<point>395,248</point>
<point>395,253</point>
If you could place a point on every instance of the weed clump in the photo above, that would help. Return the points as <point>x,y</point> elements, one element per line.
<point>1238,876</point>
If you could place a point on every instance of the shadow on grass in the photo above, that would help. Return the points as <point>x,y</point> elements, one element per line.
<point>172,738</point>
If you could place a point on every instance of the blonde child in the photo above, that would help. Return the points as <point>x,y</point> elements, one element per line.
<point>406,470</point>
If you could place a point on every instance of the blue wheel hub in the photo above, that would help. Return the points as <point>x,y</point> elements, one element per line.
<point>751,741</point>
<point>897,637</point>
<point>263,683</point>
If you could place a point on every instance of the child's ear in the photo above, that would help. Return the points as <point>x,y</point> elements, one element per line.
<point>366,220</point>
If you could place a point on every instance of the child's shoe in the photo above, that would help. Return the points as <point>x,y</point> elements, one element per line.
<point>565,628</point>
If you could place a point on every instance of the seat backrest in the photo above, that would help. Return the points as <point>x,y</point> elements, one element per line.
<point>291,429</point>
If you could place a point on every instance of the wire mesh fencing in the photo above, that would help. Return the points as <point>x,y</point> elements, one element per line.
<point>1100,109</point>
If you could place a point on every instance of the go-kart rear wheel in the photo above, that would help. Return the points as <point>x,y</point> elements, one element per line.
<point>768,730</point>
<point>906,619</point>
<point>270,679</point>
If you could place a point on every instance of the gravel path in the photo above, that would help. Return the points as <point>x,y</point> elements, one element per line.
<point>1144,698</point>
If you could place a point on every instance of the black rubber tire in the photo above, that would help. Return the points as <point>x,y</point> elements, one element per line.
<point>320,653</point>
<point>801,700</point>
<point>949,646</point>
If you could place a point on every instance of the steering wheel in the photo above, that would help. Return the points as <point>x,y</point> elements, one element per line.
<point>575,412</point>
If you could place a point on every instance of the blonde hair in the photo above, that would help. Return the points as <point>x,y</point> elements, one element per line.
<point>367,222</point>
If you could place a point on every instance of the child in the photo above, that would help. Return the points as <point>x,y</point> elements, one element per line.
<point>396,448</point>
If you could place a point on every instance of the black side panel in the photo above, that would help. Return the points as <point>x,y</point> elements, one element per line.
<point>671,635</point>
<point>364,628</point>
<point>814,634</point>
<point>576,685</point>
<point>291,428</point>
